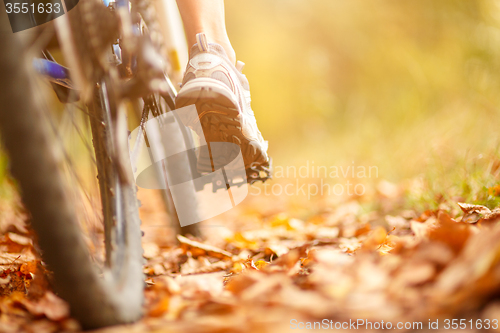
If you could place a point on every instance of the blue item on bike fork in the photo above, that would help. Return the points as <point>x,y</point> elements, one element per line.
<point>51,69</point>
<point>58,76</point>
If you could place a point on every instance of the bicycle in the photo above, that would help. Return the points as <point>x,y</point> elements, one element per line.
<point>112,292</point>
<point>114,52</point>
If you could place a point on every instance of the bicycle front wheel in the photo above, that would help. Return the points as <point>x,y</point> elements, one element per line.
<point>97,297</point>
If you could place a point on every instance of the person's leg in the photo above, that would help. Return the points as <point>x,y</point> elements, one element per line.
<point>214,83</point>
<point>206,16</point>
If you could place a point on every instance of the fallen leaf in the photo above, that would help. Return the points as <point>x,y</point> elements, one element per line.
<point>200,249</point>
<point>453,233</point>
<point>473,212</point>
<point>375,238</point>
<point>49,305</point>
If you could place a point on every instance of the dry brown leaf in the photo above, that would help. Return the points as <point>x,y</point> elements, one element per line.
<point>49,306</point>
<point>361,230</point>
<point>242,242</point>
<point>450,232</point>
<point>151,250</point>
<point>277,249</point>
<point>474,273</point>
<point>425,216</point>
<point>16,243</point>
<point>472,213</point>
<point>200,249</point>
<point>288,262</point>
<point>374,240</point>
<point>39,284</point>
<point>491,217</point>
<point>14,281</point>
<point>202,265</point>
<point>469,208</point>
<point>237,283</point>
<point>205,285</point>
<point>193,266</point>
<point>422,229</point>
<point>435,252</point>
<point>10,259</point>
<point>391,244</point>
<point>160,307</point>
<point>280,220</point>
<point>349,245</point>
<point>261,263</point>
<point>29,267</point>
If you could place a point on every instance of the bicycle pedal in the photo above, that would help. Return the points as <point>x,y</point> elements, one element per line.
<point>233,178</point>
<point>254,173</point>
<point>259,172</point>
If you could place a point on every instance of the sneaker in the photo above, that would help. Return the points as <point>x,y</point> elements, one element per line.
<point>221,94</point>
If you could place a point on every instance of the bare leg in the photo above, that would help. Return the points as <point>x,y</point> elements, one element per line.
<point>206,16</point>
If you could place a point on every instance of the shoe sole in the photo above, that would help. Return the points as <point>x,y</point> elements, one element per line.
<point>219,112</point>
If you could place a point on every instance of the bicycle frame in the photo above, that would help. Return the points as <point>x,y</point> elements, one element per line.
<point>177,47</point>
<point>60,75</point>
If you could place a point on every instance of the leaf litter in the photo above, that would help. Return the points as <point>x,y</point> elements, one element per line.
<point>260,271</point>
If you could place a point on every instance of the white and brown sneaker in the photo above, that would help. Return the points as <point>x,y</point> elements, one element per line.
<point>221,94</point>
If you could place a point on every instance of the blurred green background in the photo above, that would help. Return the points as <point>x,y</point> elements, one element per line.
<point>411,87</point>
<point>408,86</point>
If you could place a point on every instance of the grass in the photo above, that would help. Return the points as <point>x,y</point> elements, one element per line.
<point>470,179</point>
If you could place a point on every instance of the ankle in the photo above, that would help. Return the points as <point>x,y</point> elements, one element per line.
<point>231,54</point>
<point>215,38</point>
<point>226,45</point>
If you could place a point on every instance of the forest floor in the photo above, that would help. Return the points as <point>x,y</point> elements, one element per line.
<point>275,265</point>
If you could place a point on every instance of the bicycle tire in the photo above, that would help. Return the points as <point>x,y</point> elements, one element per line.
<point>34,162</point>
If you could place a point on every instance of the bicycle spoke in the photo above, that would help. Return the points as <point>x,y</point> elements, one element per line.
<point>65,132</point>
